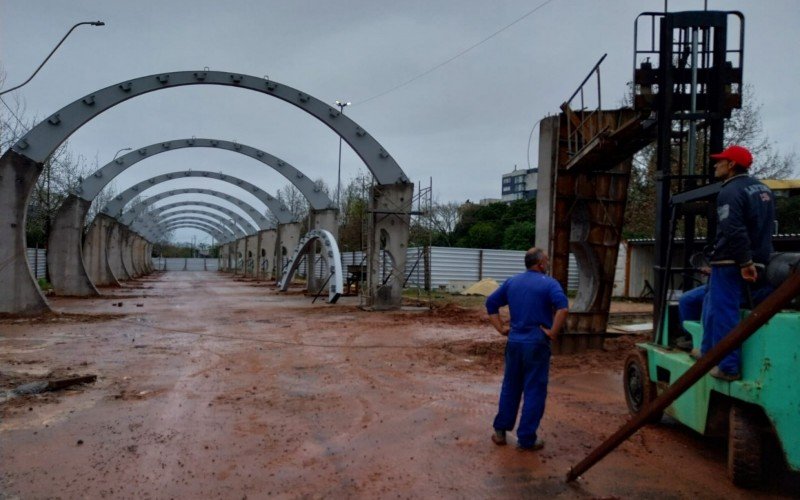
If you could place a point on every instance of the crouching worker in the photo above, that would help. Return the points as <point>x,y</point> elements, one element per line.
<point>538,308</point>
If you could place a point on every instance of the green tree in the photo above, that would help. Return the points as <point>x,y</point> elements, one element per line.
<point>519,236</point>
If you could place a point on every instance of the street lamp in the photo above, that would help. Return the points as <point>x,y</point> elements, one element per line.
<point>341,105</point>
<point>93,23</point>
<point>120,151</point>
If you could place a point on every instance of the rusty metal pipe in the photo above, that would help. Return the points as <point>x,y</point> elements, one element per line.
<point>776,301</point>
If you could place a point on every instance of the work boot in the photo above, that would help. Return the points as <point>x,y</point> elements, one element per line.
<point>499,437</point>
<point>538,445</point>
<point>684,343</point>
<point>730,377</point>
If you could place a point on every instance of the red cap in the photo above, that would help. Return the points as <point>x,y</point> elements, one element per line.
<point>737,154</point>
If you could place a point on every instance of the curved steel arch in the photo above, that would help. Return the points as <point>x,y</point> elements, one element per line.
<point>189,225</point>
<point>246,226</point>
<point>330,253</point>
<point>135,211</point>
<point>115,206</point>
<point>237,231</point>
<point>43,139</point>
<point>197,220</point>
<point>93,184</point>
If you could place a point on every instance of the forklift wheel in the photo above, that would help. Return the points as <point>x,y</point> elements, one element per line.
<point>639,389</point>
<point>744,448</point>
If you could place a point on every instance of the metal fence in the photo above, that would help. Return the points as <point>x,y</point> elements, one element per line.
<point>37,262</point>
<point>186,264</point>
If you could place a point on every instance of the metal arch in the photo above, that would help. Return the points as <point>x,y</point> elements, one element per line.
<point>238,231</point>
<point>330,252</point>
<point>128,217</point>
<point>211,232</point>
<point>220,237</point>
<point>200,216</point>
<point>224,228</point>
<point>43,139</point>
<point>93,184</point>
<point>225,231</point>
<point>152,230</point>
<point>115,206</point>
<point>244,224</point>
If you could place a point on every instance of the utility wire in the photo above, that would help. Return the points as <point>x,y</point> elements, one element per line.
<point>453,58</point>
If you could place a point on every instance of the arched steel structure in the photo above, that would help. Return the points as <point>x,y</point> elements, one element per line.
<point>330,253</point>
<point>115,207</point>
<point>43,139</point>
<point>160,232</point>
<point>159,219</point>
<point>93,184</point>
<point>211,232</point>
<point>136,210</point>
<point>140,226</point>
<point>223,229</point>
<point>164,211</point>
<point>21,165</point>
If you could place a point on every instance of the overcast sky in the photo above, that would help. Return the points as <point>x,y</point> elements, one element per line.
<point>464,124</point>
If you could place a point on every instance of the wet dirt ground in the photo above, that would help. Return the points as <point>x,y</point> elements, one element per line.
<point>210,387</point>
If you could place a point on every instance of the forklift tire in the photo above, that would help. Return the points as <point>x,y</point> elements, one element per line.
<point>639,389</point>
<point>745,448</point>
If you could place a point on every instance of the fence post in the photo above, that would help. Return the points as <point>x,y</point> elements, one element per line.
<point>480,264</point>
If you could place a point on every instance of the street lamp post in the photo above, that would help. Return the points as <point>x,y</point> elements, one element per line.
<point>120,151</point>
<point>341,105</point>
<point>93,23</point>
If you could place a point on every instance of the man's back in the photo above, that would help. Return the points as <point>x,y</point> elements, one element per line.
<point>746,214</point>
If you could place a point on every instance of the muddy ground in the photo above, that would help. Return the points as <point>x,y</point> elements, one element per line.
<point>210,387</point>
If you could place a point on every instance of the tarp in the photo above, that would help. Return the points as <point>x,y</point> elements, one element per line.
<point>484,287</point>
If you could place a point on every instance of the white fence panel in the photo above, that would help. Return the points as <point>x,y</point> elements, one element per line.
<point>37,261</point>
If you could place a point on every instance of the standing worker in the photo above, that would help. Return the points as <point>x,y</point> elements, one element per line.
<point>538,308</point>
<point>743,244</point>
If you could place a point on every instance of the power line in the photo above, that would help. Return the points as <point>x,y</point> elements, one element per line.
<point>453,58</point>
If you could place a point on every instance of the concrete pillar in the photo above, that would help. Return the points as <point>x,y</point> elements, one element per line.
<point>268,241</point>
<point>545,187</point>
<point>114,251</point>
<point>64,250</point>
<point>288,238</point>
<point>240,254</point>
<point>19,293</point>
<point>251,256</point>
<point>95,252</point>
<point>326,220</point>
<point>390,213</point>
<point>148,257</point>
<point>136,255</point>
<point>126,252</point>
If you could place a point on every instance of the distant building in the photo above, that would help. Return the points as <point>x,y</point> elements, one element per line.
<point>520,184</point>
<point>488,201</point>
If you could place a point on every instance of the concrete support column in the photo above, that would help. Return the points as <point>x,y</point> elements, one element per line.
<point>114,251</point>
<point>545,187</point>
<point>64,250</point>
<point>268,241</point>
<point>251,255</point>
<point>240,249</point>
<point>390,220</point>
<point>137,254</point>
<point>288,238</point>
<point>95,252</point>
<point>126,252</point>
<point>19,293</point>
<point>325,220</point>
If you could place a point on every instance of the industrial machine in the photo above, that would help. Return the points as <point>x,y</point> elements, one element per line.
<point>688,73</point>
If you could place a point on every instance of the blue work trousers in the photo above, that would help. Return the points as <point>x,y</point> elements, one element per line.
<point>526,373</point>
<point>690,305</point>
<point>721,312</point>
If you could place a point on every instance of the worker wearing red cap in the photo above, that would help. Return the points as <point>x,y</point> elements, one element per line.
<point>743,244</point>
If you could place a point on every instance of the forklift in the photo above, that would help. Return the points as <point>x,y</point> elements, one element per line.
<point>688,75</point>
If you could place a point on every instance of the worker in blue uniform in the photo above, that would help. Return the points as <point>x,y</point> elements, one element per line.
<point>538,309</point>
<point>743,244</point>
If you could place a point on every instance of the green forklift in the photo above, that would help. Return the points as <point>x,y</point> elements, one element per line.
<point>689,75</point>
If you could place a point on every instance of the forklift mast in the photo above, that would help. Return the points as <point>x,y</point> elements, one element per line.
<point>689,76</point>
